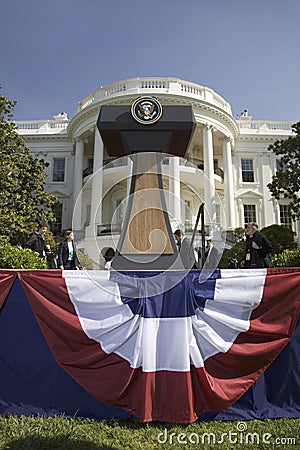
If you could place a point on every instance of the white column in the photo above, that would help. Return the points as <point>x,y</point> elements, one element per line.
<point>96,195</point>
<point>209,184</point>
<point>276,210</point>
<point>77,187</point>
<point>174,190</point>
<point>228,185</point>
<point>240,208</point>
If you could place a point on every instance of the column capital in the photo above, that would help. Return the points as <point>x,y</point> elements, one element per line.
<point>208,126</point>
<point>226,140</point>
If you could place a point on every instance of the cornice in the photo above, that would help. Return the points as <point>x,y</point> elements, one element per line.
<point>47,137</point>
<point>258,138</point>
<point>94,109</point>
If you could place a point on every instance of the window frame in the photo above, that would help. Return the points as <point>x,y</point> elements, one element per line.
<point>62,172</point>
<point>289,222</point>
<point>243,172</point>
<point>54,225</point>
<point>252,217</point>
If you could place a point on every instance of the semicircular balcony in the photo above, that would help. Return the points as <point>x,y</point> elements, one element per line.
<point>149,86</point>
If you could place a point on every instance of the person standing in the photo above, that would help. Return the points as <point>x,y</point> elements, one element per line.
<point>36,241</point>
<point>51,258</point>
<point>211,256</point>
<point>67,256</point>
<point>258,249</point>
<point>109,256</point>
<point>186,253</point>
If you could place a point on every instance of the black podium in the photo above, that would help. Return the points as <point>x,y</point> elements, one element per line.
<point>146,131</point>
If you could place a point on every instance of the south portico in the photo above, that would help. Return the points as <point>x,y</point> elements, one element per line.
<point>188,182</point>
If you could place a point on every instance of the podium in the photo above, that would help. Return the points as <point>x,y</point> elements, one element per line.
<point>146,131</point>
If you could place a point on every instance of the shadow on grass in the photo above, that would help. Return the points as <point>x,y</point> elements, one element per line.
<point>54,443</point>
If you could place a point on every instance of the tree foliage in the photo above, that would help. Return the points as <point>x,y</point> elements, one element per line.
<point>286,182</point>
<point>23,200</point>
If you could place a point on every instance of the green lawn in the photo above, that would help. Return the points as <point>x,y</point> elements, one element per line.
<point>83,434</point>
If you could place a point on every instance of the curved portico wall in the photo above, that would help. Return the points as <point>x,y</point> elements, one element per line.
<point>210,148</point>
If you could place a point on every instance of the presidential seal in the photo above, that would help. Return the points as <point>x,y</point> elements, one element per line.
<point>146,110</point>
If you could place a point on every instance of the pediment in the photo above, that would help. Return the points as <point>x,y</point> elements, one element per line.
<point>249,194</point>
<point>59,193</point>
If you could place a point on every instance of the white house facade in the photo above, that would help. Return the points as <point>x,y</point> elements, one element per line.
<point>227,165</point>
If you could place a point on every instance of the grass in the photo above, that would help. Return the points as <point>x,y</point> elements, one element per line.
<point>45,433</point>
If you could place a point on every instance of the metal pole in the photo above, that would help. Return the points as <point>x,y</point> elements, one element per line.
<point>200,213</point>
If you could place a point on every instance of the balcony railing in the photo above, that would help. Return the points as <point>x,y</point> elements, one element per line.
<point>110,163</point>
<point>199,163</point>
<point>140,86</point>
<point>264,126</point>
<point>42,126</point>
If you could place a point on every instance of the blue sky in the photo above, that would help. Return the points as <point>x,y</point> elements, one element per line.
<point>55,53</point>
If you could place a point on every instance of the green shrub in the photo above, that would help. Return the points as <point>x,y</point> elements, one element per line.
<point>281,238</point>
<point>237,250</point>
<point>15,258</point>
<point>85,261</point>
<point>288,258</point>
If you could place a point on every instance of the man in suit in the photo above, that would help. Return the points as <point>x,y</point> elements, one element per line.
<point>186,253</point>
<point>258,249</point>
<point>36,241</point>
<point>67,256</point>
<point>211,256</point>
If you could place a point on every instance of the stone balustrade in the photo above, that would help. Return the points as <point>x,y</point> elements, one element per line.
<point>146,86</point>
<point>264,126</point>
<point>42,126</point>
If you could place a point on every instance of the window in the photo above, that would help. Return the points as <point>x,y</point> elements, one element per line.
<point>187,215</point>
<point>218,214</point>
<point>89,169</point>
<point>58,169</point>
<point>216,165</point>
<point>249,214</point>
<point>247,171</point>
<point>87,215</point>
<point>56,227</point>
<point>285,216</point>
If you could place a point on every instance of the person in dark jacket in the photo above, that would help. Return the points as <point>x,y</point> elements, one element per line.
<point>67,256</point>
<point>51,257</point>
<point>186,253</point>
<point>211,256</point>
<point>258,249</point>
<point>36,241</point>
